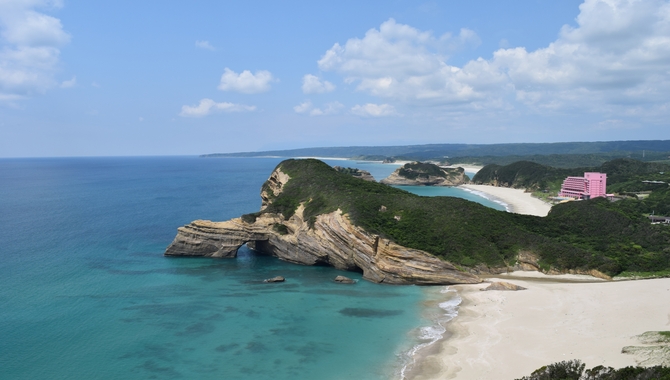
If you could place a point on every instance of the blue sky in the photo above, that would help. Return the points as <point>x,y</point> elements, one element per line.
<point>83,78</point>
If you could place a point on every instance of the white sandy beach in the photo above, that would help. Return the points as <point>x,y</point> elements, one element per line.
<point>506,335</point>
<point>519,201</point>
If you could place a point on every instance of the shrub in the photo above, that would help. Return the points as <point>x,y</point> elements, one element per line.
<point>250,218</point>
<point>574,370</point>
<point>280,228</point>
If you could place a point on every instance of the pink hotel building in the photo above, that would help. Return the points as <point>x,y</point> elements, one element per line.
<point>591,185</point>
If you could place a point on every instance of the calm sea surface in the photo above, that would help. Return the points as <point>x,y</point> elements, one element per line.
<point>86,293</point>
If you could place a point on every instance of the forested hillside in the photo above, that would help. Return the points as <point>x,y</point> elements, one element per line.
<point>585,235</point>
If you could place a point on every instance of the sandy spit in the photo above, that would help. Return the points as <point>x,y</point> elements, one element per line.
<point>507,335</point>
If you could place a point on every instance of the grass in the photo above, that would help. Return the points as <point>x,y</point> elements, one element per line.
<point>656,274</point>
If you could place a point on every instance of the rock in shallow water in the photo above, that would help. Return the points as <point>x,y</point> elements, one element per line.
<point>275,279</point>
<point>344,280</point>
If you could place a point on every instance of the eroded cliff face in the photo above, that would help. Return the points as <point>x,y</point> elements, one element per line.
<point>273,187</point>
<point>333,240</point>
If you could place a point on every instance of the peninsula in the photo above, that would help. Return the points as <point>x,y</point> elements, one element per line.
<point>312,214</point>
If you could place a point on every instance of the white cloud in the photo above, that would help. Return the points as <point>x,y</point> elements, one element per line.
<point>618,54</point>
<point>614,61</point>
<point>69,83</point>
<point>311,84</point>
<point>246,82</point>
<point>204,45</point>
<point>303,107</point>
<point>328,109</point>
<point>402,62</point>
<point>208,106</point>
<point>30,44</point>
<point>375,110</point>
<point>11,100</point>
<point>616,124</point>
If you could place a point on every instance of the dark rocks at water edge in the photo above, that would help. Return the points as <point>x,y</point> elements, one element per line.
<point>275,279</point>
<point>344,280</point>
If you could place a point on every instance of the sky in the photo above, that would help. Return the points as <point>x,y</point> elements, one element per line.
<point>129,78</point>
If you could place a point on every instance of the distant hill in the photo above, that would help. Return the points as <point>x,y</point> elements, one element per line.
<point>566,154</point>
<point>564,160</point>
<point>624,176</point>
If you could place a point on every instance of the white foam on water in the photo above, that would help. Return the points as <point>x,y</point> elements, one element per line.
<point>431,334</point>
<point>507,207</point>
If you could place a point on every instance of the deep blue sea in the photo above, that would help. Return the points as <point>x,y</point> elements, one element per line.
<point>86,293</point>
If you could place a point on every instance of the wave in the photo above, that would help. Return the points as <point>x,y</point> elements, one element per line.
<point>491,198</point>
<point>429,335</point>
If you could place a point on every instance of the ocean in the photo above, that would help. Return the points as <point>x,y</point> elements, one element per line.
<point>87,293</point>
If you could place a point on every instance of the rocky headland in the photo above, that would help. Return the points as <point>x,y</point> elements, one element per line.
<point>426,174</point>
<point>331,240</point>
<point>311,214</point>
<point>354,172</point>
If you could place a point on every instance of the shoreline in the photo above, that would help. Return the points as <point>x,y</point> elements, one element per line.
<point>508,335</point>
<point>516,200</point>
<point>467,168</point>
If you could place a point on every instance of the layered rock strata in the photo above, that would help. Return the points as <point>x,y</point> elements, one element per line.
<point>332,240</point>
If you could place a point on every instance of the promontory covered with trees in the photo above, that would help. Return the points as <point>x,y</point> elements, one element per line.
<point>303,198</point>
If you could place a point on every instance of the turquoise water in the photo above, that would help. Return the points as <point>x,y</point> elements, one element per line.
<point>86,292</point>
<point>381,171</point>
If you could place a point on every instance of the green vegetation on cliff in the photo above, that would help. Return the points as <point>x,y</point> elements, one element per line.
<point>578,235</point>
<point>351,171</point>
<point>414,170</point>
<point>426,174</point>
